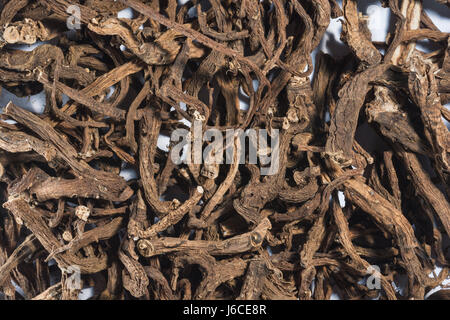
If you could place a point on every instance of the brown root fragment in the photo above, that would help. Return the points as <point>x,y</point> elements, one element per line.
<point>357,35</point>
<point>345,118</point>
<point>241,243</point>
<point>32,219</point>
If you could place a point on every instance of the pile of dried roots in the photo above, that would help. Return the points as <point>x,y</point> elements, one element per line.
<point>114,87</point>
